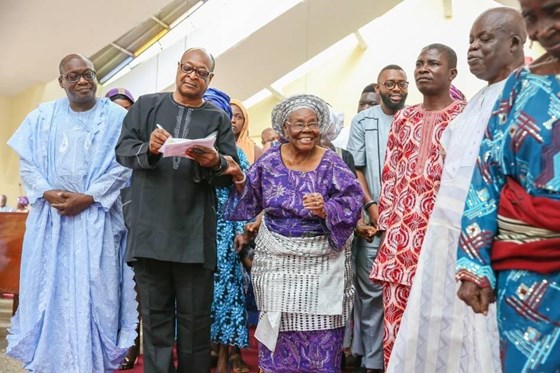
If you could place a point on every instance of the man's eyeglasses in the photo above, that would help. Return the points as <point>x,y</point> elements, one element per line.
<point>74,77</point>
<point>201,73</point>
<point>299,126</point>
<point>390,84</point>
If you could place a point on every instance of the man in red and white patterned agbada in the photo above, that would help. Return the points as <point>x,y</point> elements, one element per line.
<point>410,180</point>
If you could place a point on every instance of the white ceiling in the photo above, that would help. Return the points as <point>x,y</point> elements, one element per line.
<point>290,40</point>
<point>36,34</point>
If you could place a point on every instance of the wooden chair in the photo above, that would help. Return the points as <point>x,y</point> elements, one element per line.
<point>12,229</point>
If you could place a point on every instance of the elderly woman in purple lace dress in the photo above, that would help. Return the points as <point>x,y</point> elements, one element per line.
<point>301,269</point>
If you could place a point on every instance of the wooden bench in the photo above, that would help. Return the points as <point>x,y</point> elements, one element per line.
<point>12,229</point>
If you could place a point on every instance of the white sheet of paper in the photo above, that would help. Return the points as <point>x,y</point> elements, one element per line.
<point>177,146</point>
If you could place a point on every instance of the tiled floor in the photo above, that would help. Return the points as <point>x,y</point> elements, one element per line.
<point>7,364</point>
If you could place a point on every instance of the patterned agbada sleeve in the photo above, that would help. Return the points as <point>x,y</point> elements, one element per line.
<point>389,173</point>
<point>479,222</point>
<point>342,205</point>
<point>248,203</point>
<point>23,141</point>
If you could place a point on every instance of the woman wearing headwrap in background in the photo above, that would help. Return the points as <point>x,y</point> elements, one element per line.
<point>240,127</point>
<point>123,98</point>
<point>229,317</point>
<point>22,204</point>
<point>301,269</point>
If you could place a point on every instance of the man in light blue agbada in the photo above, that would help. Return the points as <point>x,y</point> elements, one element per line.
<point>77,310</point>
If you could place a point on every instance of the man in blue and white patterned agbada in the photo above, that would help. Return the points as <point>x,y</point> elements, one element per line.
<point>510,235</point>
<point>77,310</point>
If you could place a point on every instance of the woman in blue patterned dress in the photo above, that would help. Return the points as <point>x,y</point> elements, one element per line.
<point>509,248</point>
<point>229,315</point>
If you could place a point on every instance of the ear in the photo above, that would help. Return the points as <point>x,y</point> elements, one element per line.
<point>453,73</point>
<point>376,88</point>
<point>60,81</point>
<point>210,77</point>
<point>285,129</point>
<point>515,43</point>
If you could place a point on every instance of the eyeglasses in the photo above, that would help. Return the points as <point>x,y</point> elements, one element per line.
<point>299,126</point>
<point>201,73</point>
<point>74,77</point>
<point>390,84</point>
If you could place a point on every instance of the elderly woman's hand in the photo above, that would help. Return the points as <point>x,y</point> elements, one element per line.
<point>315,203</point>
<point>239,242</point>
<point>235,172</point>
<point>204,156</point>
<point>233,169</point>
<point>251,229</point>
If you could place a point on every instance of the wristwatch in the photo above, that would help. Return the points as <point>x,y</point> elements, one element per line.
<point>222,165</point>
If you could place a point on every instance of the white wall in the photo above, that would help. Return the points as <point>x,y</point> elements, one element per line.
<point>395,38</point>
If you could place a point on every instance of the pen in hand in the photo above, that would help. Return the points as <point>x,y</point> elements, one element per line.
<point>167,134</point>
<point>157,138</point>
<point>159,126</point>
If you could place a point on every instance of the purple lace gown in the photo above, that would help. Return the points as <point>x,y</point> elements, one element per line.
<point>272,187</point>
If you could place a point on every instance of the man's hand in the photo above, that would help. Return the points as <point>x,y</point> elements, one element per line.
<point>366,232</point>
<point>157,139</point>
<point>476,297</point>
<point>204,156</point>
<point>53,196</point>
<point>72,203</point>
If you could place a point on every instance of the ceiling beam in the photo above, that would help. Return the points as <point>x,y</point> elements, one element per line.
<point>276,93</point>
<point>361,41</point>
<point>125,51</point>
<point>448,8</point>
<point>160,22</point>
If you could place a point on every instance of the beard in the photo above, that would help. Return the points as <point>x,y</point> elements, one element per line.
<point>393,105</point>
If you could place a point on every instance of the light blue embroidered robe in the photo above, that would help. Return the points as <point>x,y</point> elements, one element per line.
<point>77,310</point>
